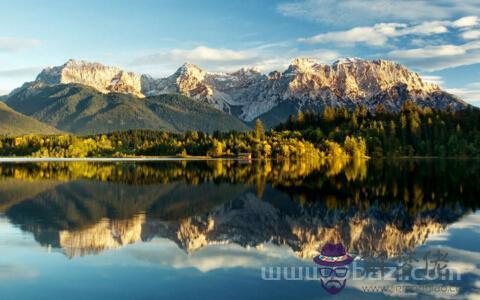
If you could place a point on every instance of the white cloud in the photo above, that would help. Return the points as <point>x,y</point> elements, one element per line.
<point>471,34</point>
<point>212,257</point>
<point>420,42</point>
<point>434,58</point>
<point>469,21</point>
<point>198,54</point>
<point>13,78</point>
<point>474,85</point>
<point>468,94</point>
<point>426,28</point>
<point>370,11</point>
<point>211,54</point>
<point>266,58</point>
<point>374,36</point>
<point>11,44</point>
<point>20,72</point>
<point>378,34</point>
<point>428,52</point>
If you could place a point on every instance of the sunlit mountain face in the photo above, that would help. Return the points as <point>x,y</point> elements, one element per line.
<point>378,207</point>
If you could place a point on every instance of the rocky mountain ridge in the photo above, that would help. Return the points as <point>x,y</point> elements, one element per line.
<point>103,78</point>
<point>249,94</point>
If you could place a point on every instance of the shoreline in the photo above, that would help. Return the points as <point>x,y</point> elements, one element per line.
<point>192,158</point>
<point>110,159</point>
<point>426,158</point>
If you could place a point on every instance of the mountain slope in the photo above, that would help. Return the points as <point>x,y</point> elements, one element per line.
<point>184,114</point>
<point>305,85</point>
<point>84,110</point>
<point>113,99</point>
<point>14,123</point>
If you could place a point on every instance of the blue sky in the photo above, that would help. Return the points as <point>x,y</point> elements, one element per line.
<point>439,39</point>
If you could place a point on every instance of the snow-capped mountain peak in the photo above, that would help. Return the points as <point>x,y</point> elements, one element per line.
<point>305,85</point>
<point>347,60</point>
<point>103,78</point>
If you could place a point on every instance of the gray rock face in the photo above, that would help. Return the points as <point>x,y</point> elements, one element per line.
<point>246,93</point>
<point>217,89</point>
<point>306,84</point>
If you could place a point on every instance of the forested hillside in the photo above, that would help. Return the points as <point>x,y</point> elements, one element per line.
<point>414,131</point>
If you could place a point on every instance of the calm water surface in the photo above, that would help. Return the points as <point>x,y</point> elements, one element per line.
<point>205,230</point>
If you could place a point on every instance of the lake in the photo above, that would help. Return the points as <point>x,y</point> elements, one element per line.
<point>238,229</point>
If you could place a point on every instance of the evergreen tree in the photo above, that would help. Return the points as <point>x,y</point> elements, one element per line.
<point>259,130</point>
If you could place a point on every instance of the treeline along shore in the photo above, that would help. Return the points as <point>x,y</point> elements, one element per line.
<point>336,133</point>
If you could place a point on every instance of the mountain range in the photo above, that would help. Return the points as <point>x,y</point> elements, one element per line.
<point>82,109</point>
<point>84,98</point>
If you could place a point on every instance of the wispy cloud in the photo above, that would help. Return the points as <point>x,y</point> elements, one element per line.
<point>374,36</point>
<point>434,58</point>
<point>408,43</point>
<point>266,58</point>
<point>429,52</point>
<point>20,72</point>
<point>470,93</point>
<point>13,44</point>
<point>471,34</point>
<point>212,257</point>
<point>198,54</point>
<point>13,78</point>
<point>378,34</point>
<point>469,21</point>
<point>372,11</point>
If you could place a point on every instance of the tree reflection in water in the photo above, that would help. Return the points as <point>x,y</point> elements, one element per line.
<point>376,206</point>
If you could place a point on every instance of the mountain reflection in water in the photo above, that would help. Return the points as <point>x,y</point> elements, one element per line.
<point>377,207</point>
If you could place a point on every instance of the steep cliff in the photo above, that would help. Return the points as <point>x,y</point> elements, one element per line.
<point>248,94</point>
<point>306,85</point>
<point>103,78</point>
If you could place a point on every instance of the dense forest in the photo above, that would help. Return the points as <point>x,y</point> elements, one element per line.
<point>335,133</point>
<point>257,144</point>
<point>414,131</point>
